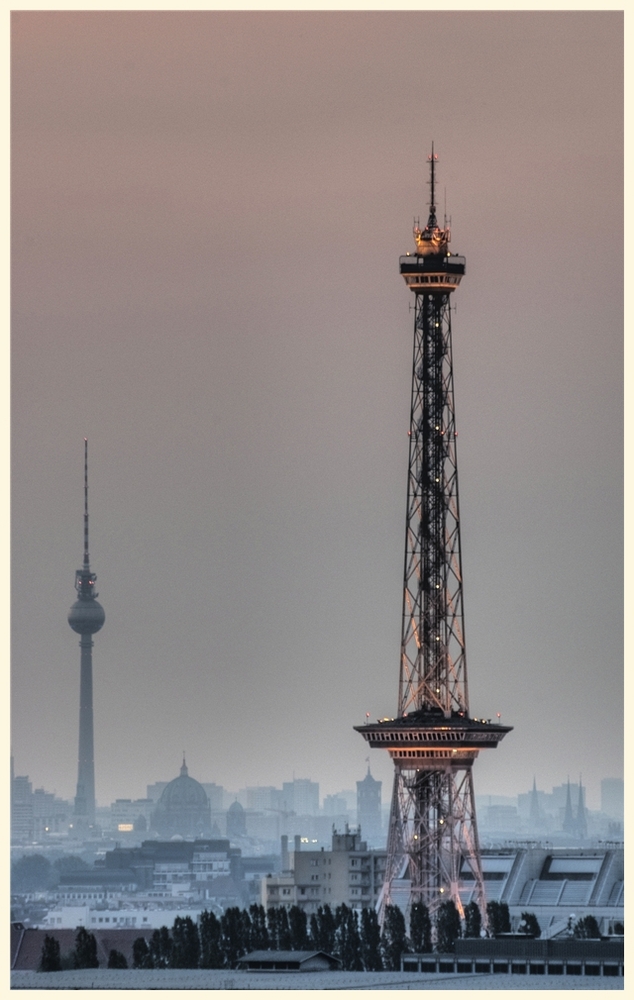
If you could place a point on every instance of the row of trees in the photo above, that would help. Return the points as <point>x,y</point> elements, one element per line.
<point>83,955</point>
<point>357,940</point>
<point>218,943</point>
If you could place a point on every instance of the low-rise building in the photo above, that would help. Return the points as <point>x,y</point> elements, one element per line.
<point>177,868</point>
<point>142,918</point>
<point>349,873</point>
<point>558,885</point>
<point>130,816</point>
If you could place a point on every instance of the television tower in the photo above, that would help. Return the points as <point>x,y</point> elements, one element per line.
<point>433,740</point>
<point>85,617</point>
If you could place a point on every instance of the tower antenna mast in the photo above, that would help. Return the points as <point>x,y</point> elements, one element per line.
<point>86,553</point>
<point>433,846</point>
<point>432,183</point>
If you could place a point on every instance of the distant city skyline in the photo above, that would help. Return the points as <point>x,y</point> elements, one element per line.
<point>207,212</point>
<point>608,790</point>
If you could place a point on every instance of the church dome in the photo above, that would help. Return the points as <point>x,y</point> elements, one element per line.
<point>183,793</point>
<point>183,808</point>
<point>236,820</point>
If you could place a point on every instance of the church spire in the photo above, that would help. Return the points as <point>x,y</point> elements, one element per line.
<point>534,807</point>
<point>582,824</point>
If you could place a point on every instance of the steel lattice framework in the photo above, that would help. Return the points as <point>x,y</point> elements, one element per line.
<point>433,846</point>
<point>433,662</point>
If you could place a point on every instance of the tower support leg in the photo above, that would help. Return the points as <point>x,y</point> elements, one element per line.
<point>433,839</point>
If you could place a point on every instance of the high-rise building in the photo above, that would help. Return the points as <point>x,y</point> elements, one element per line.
<point>21,807</point>
<point>612,797</point>
<point>334,805</point>
<point>369,810</point>
<point>301,796</point>
<point>433,740</point>
<point>85,617</point>
<point>262,798</point>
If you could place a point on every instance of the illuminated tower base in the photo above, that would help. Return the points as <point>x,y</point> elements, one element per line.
<point>433,838</point>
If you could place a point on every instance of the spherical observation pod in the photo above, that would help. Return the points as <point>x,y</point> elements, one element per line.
<point>86,617</point>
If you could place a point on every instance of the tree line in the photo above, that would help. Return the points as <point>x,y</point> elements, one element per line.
<point>35,873</point>
<point>355,939</point>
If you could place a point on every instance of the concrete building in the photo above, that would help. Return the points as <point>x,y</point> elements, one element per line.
<point>334,805</point>
<point>149,917</point>
<point>131,816</point>
<point>369,810</point>
<point>36,815</point>
<point>301,796</point>
<point>556,884</point>
<point>278,890</point>
<point>144,869</point>
<point>21,808</point>
<point>612,798</point>
<point>349,873</point>
<point>260,798</point>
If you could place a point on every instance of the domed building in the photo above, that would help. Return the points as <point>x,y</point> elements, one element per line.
<point>236,820</point>
<point>183,809</point>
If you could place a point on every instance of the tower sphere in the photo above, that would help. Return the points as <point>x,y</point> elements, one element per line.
<point>86,616</point>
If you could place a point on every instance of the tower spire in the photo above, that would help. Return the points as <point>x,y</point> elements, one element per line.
<point>432,222</point>
<point>86,553</point>
<point>534,807</point>
<point>432,239</point>
<point>582,825</point>
<point>568,823</point>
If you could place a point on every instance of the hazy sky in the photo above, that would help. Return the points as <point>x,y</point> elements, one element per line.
<point>208,210</point>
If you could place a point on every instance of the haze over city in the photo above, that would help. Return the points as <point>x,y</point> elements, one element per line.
<point>208,210</point>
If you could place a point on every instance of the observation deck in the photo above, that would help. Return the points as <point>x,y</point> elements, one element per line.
<point>432,272</point>
<point>428,739</point>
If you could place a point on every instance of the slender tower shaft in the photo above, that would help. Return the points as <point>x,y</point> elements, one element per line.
<point>85,617</point>
<point>433,848</point>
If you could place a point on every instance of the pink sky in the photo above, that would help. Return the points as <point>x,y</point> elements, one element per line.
<point>208,210</point>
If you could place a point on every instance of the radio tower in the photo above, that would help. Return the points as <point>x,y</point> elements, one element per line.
<point>433,741</point>
<point>85,617</point>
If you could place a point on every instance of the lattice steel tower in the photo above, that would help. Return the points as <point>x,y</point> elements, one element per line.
<point>433,741</point>
<point>85,617</point>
